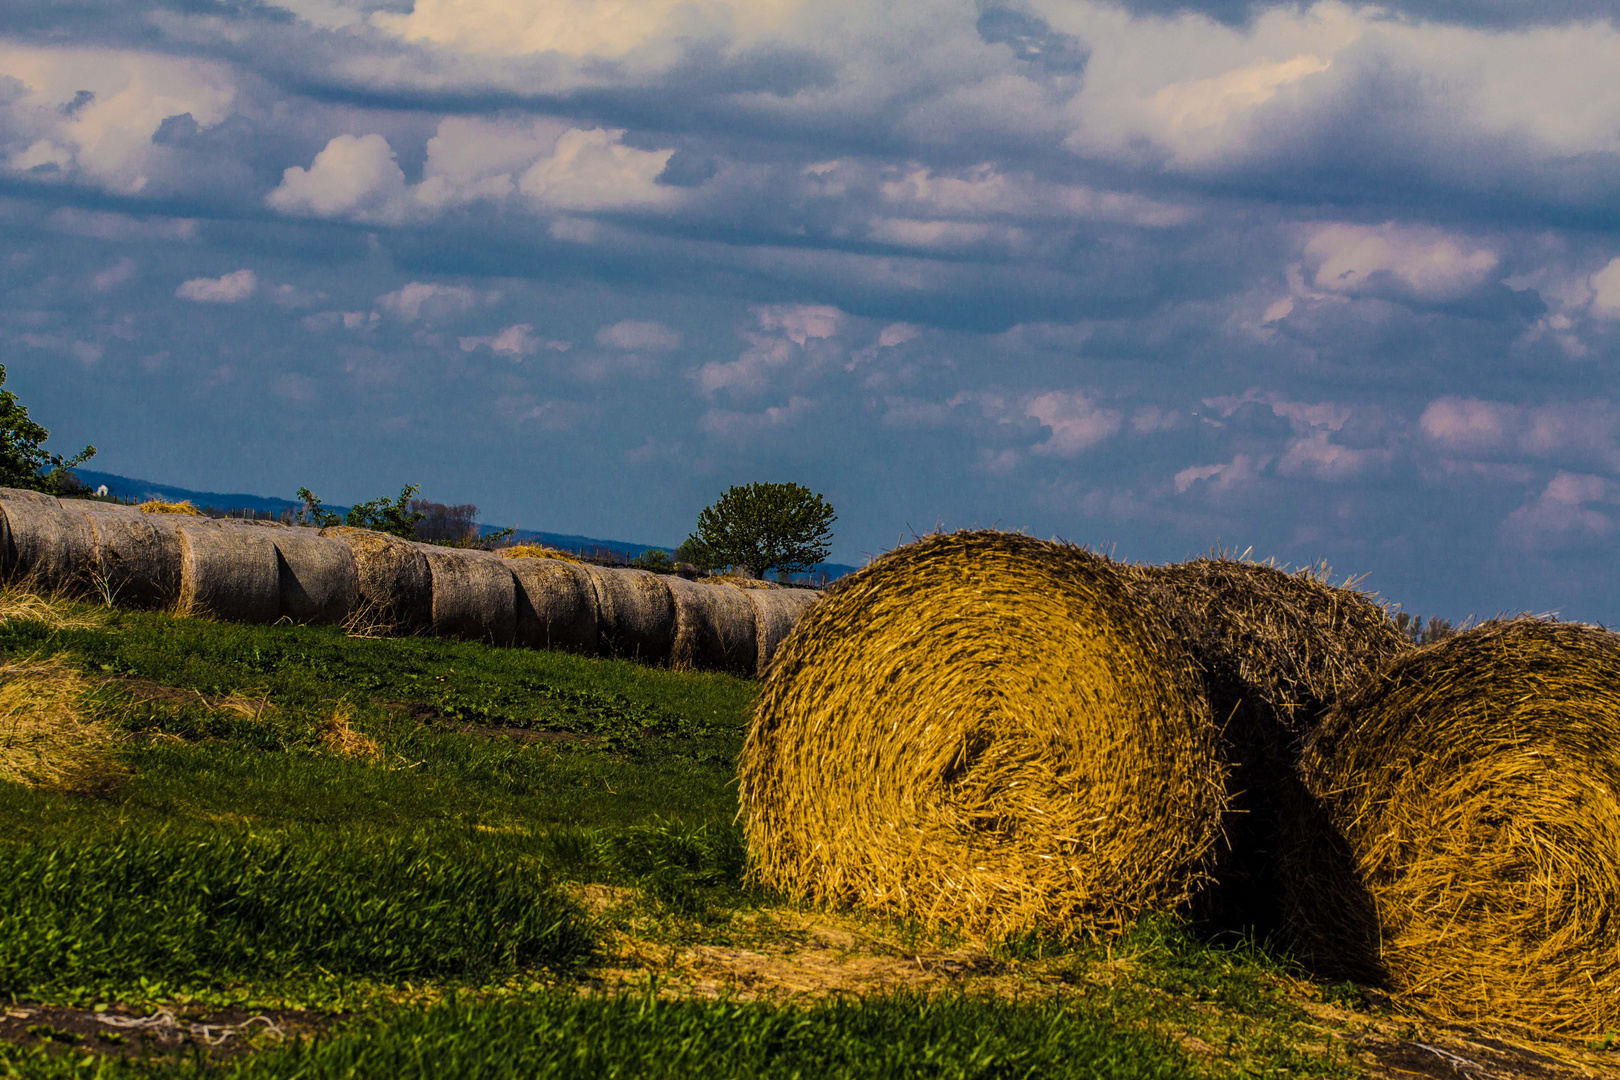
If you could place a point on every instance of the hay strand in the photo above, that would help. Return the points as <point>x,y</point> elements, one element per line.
<point>1473,795</point>
<point>990,731</point>
<point>158,506</point>
<point>535,551</point>
<point>396,586</point>
<point>47,736</point>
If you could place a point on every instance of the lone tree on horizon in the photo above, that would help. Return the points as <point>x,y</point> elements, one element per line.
<point>760,527</point>
<point>24,462</point>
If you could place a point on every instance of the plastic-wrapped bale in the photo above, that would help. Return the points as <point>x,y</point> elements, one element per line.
<point>635,614</point>
<point>1277,649</point>
<point>1471,855</point>
<point>320,582</point>
<point>47,546</point>
<point>776,612</point>
<point>396,586</point>
<point>556,604</point>
<point>715,627</point>
<point>474,594</point>
<point>228,570</point>
<point>138,556</point>
<point>989,731</point>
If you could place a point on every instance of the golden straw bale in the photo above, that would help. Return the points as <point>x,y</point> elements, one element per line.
<point>47,736</point>
<point>535,551</point>
<point>1471,859</point>
<point>158,506</point>
<point>395,581</point>
<point>985,730</point>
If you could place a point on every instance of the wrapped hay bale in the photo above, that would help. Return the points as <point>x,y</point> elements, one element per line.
<point>986,730</point>
<point>137,556</point>
<point>396,586</point>
<point>714,628</point>
<point>1277,649</point>
<point>556,604</point>
<point>635,614</point>
<point>474,595</point>
<point>776,612</point>
<point>320,582</point>
<point>47,546</point>
<point>228,570</point>
<point>1473,793</point>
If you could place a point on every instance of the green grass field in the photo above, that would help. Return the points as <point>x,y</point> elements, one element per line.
<point>424,858</point>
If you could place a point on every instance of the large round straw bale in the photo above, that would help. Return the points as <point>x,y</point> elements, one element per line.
<point>49,547</point>
<point>556,605</point>
<point>137,556</point>
<point>715,627</point>
<point>228,570</point>
<point>474,595</point>
<point>776,612</point>
<point>1474,791</point>
<point>635,614</point>
<point>986,730</point>
<point>320,582</point>
<point>396,586</point>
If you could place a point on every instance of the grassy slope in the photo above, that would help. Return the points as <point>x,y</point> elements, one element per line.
<point>243,859</point>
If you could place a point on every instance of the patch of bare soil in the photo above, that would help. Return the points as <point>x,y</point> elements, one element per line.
<point>118,1032</point>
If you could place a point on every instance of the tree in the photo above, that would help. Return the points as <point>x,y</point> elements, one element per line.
<point>759,527</point>
<point>23,461</point>
<point>388,516</point>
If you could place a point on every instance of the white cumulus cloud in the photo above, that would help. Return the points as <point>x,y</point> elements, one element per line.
<point>226,289</point>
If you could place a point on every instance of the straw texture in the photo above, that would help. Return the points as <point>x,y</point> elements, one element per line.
<point>1473,795</point>
<point>228,570</point>
<point>776,612</point>
<point>320,582</point>
<point>137,556</point>
<point>48,546</point>
<point>635,614</point>
<point>474,596</point>
<point>714,628</point>
<point>986,730</point>
<point>396,586</point>
<point>556,605</point>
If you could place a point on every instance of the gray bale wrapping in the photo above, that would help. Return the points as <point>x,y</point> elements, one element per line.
<point>396,585</point>
<point>556,605</point>
<point>635,614</point>
<point>714,627</point>
<point>46,545</point>
<point>776,613</point>
<point>474,594</point>
<point>320,582</point>
<point>137,555</point>
<point>229,570</point>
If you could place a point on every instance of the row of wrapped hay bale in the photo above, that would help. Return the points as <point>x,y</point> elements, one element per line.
<point>254,571</point>
<point>1007,735</point>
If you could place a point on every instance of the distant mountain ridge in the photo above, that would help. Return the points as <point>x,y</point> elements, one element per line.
<point>130,488</point>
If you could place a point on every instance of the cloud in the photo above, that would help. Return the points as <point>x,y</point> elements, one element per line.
<point>515,342</point>
<point>355,177</point>
<point>227,289</point>
<point>1606,291</point>
<point>119,273</point>
<point>1422,262</point>
<point>749,427</point>
<point>1583,431</point>
<point>1562,516</point>
<point>594,170</point>
<point>632,335</point>
<point>1076,422</point>
<point>791,338</point>
<point>1241,471</point>
<point>426,299</point>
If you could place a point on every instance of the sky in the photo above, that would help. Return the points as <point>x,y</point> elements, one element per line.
<point>1316,281</point>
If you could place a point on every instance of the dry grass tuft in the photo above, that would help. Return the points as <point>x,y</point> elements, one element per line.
<point>55,610</point>
<point>990,731</point>
<point>535,551</point>
<point>740,582</point>
<point>47,736</point>
<point>158,506</point>
<point>1470,855</point>
<point>339,737</point>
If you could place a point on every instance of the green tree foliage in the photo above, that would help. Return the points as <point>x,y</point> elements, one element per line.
<point>24,463</point>
<point>759,527</point>
<point>1420,633</point>
<point>397,516</point>
<point>313,513</point>
<point>655,559</point>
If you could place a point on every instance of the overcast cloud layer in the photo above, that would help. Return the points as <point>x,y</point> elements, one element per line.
<point>1328,281</point>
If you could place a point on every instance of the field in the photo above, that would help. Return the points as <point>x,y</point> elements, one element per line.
<point>277,851</point>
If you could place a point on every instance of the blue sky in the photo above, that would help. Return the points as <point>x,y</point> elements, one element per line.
<point>1322,280</point>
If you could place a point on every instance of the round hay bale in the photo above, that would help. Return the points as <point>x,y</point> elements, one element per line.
<point>635,614</point>
<point>320,582</point>
<point>474,595</point>
<point>137,556</point>
<point>986,730</point>
<point>396,586</point>
<point>1473,793</point>
<point>228,570</point>
<point>776,612</point>
<point>715,628</point>
<point>556,605</point>
<point>49,547</point>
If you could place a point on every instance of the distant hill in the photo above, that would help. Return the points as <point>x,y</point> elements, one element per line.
<point>130,488</point>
